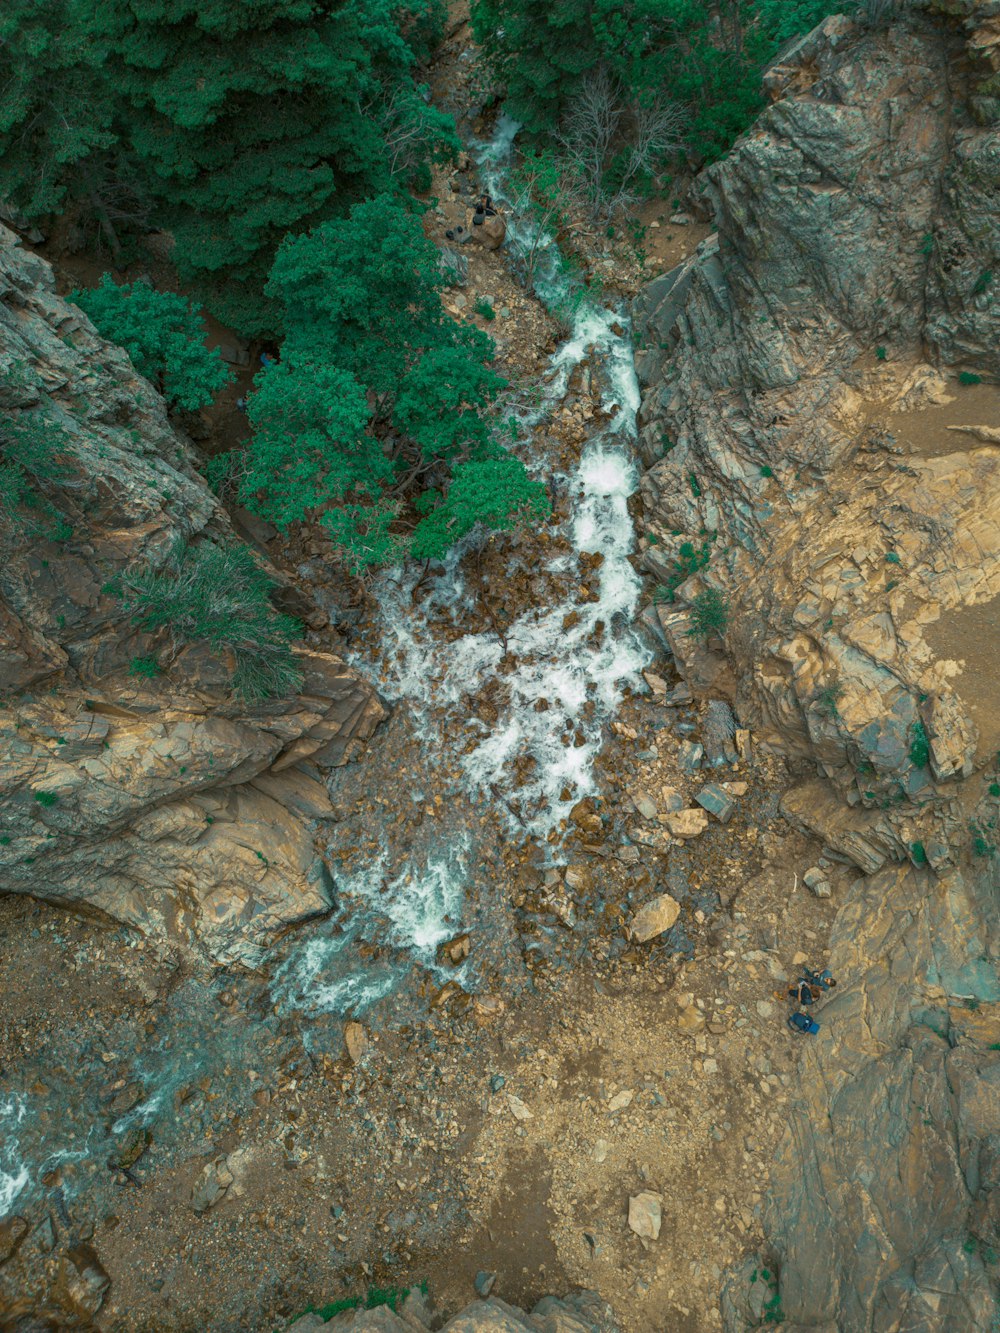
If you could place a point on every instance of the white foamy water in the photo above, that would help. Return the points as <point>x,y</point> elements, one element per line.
<point>13,1172</point>
<point>568,682</point>
<point>413,913</point>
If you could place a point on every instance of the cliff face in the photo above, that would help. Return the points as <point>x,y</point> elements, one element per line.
<point>164,803</point>
<point>820,427</point>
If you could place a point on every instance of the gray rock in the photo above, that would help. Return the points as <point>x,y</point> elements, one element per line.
<point>645,1214</point>
<point>690,756</point>
<point>485,1282</point>
<point>716,801</point>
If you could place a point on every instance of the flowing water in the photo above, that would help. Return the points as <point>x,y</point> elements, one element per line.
<point>536,760</point>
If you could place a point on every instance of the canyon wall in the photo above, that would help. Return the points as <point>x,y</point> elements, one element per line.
<point>164,803</point>
<point>820,431</point>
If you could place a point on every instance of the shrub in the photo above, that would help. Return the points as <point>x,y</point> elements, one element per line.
<point>163,335</point>
<point>918,853</point>
<point>967,377</point>
<point>485,308</point>
<point>709,615</point>
<point>148,667</point>
<point>218,596</point>
<point>982,282</point>
<point>920,750</point>
<point>891,558</point>
<point>881,353</point>
<point>30,444</point>
<point>828,697</point>
<point>46,798</point>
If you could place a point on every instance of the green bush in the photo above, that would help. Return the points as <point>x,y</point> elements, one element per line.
<point>709,615</point>
<point>484,307</point>
<point>378,389</point>
<point>218,596</point>
<point>147,667</point>
<point>30,446</point>
<point>967,377</point>
<point>163,335</point>
<point>828,698</point>
<point>46,798</point>
<point>920,750</point>
<point>919,853</point>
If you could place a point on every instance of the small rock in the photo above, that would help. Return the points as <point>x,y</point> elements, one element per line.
<point>691,1020</point>
<point>765,1008</point>
<point>654,917</point>
<point>629,856</point>
<point>681,219</point>
<point>215,1179</point>
<point>620,1100</point>
<point>485,1282</point>
<point>815,880</point>
<point>600,1151</point>
<point>716,801</point>
<point>742,739</point>
<point>356,1041</point>
<point>518,1109</point>
<point>656,683</point>
<point>687,823</point>
<point>690,756</point>
<point>85,1280</point>
<point>710,1066</point>
<point>671,800</point>
<point>644,803</point>
<point>497,1082</point>
<point>644,1214</point>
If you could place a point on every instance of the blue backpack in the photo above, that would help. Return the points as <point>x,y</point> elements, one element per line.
<point>803,1023</point>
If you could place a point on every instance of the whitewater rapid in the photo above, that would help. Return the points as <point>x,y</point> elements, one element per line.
<point>572,660</point>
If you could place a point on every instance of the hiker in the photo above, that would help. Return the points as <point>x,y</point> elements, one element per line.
<point>802,1023</point>
<point>804,992</point>
<point>484,210</point>
<point>825,979</point>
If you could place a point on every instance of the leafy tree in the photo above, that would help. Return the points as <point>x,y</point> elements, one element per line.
<point>309,444</point>
<point>57,138</point>
<point>707,57</point>
<point>162,333</point>
<point>365,288</point>
<point>378,391</point>
<point>495,492</point>
<point>218,596</point>
<point>256,119</point>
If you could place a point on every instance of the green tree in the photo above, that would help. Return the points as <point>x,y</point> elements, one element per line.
<point>378,392</point>
<point>309,444</point>
<point>58,142</point>
<point>164,336</point>
<point>255,119</point>
<point>707,57</point>
<point>496,492</point>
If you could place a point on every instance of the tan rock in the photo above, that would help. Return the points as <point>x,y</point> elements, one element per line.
<point>356,1041</point>
<point>645,1214</point>
<point>687,823</point>
<point>654,917</point>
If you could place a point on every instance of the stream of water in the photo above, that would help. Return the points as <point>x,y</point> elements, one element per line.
<point>570,670</point>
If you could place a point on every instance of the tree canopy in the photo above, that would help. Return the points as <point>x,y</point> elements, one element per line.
<point>228,122</point>
<point>708,58</point>
<point>378,416</point>
<point>163,334</point>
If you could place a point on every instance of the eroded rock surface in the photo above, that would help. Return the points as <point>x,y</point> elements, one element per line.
<point>819,387</point>
<point>164,803</point>
<point>578,1312</point>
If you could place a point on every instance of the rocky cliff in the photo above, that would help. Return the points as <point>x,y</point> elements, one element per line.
<point>164,803</point>
<point>820,428</point>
